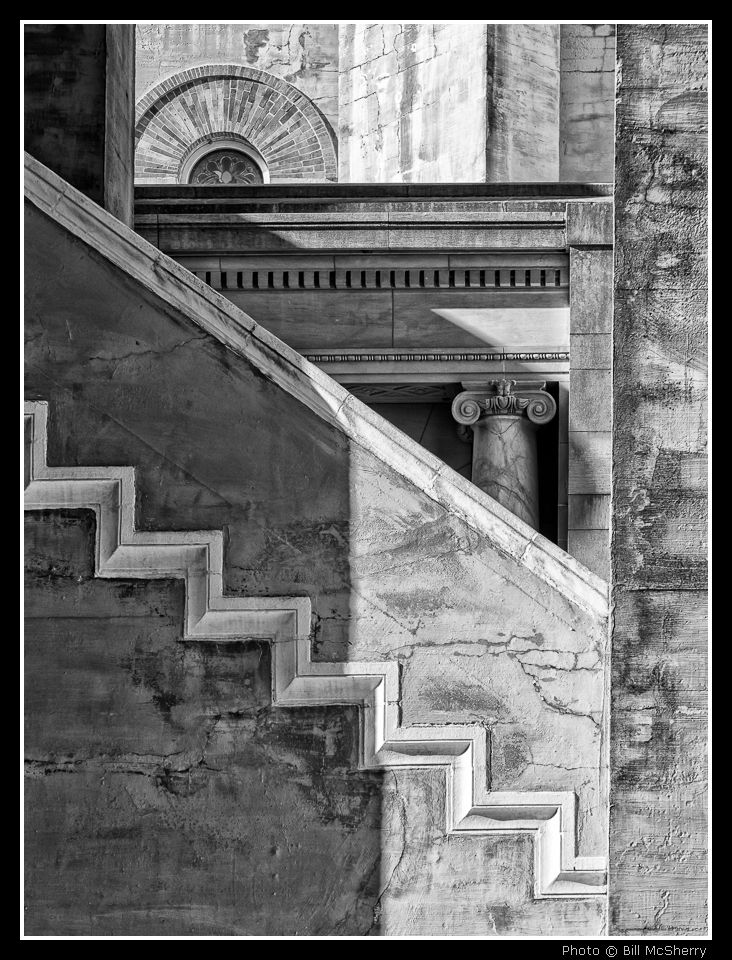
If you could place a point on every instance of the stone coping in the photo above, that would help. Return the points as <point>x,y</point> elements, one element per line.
<point>191,297</point>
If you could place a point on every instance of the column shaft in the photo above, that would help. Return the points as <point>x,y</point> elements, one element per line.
<point>504,422</point>
<point>505,464</point>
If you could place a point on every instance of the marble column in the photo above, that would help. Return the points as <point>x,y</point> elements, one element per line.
<point>504,419</point>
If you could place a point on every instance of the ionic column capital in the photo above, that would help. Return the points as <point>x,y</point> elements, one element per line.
<point>502,398</point>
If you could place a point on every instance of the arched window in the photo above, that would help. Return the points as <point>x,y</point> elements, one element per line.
<point>280,129</point>
<point>225,167</point>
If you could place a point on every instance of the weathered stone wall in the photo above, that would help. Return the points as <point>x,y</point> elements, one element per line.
<point>658,840</point>
<point>522,102</point>
<point>79,109</point>
<point>303,54</point>
<point>412,102</point>
<point>432,102</point>
<point>587,102</point>
<point>159,777</point>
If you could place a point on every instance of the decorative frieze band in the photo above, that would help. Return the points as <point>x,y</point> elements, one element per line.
<point>402,392</point>
<point>475,278</point>
<point>500,398</point>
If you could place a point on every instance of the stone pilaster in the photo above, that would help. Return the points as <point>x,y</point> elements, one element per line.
<point>504,420</point>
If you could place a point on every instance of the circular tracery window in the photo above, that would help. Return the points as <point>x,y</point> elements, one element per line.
<point>225,167</point>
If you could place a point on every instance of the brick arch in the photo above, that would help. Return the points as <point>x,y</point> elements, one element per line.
<point>279,121</point>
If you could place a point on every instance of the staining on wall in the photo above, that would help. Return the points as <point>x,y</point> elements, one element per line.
<point>658,841</point>
<point>165,794</point>
<point>522,102</point>
<point>587,102</point>
<point>253,41</point>
<point>406,114</point>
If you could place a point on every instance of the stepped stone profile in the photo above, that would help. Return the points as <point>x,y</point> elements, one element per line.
<point>297,680</point>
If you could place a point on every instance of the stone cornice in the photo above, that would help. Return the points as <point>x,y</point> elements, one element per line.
<point>390,191</point>
<point>212,312</point>
<point>280,226</point>
<point>190,223</point>
<point>391,217</point>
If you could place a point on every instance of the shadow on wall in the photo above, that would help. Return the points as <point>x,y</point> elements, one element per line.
<point>166,794</point>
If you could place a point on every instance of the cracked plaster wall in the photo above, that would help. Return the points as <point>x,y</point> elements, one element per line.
<point>165,796</point>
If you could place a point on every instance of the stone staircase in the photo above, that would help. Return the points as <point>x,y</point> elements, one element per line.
<point>197,558</point>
